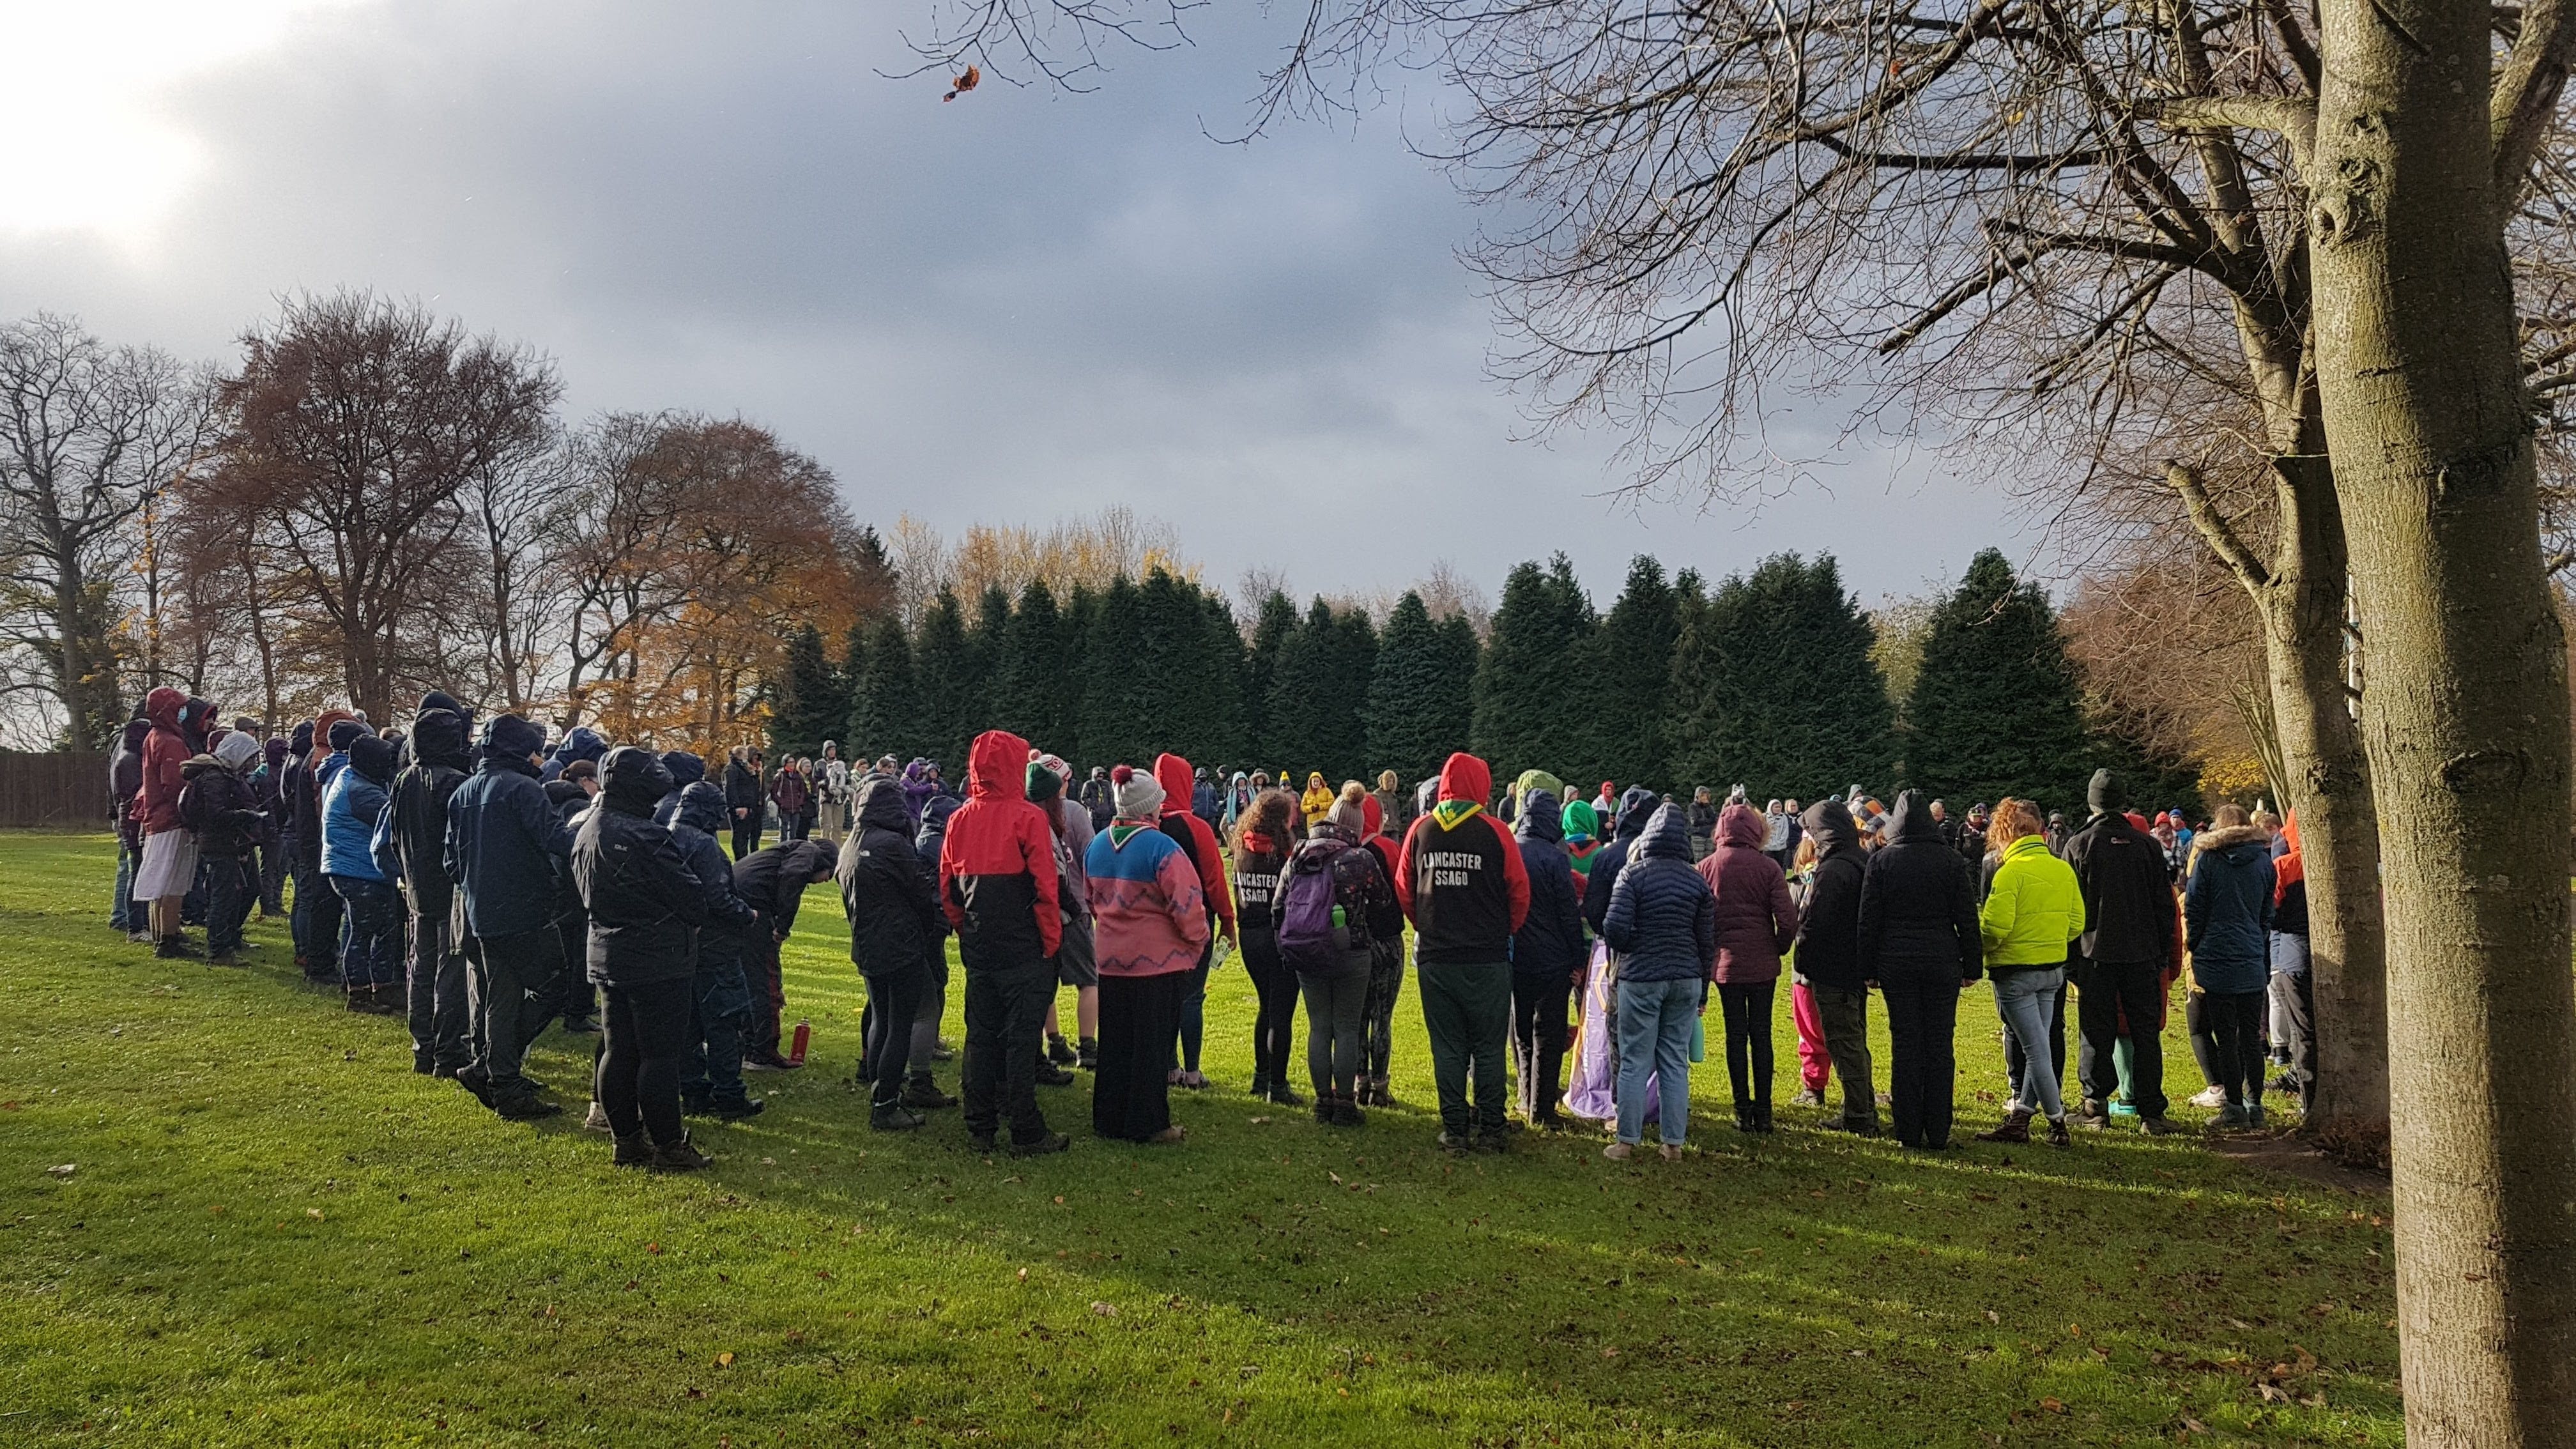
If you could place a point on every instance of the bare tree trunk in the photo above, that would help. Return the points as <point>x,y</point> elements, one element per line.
<point>2465,715</point>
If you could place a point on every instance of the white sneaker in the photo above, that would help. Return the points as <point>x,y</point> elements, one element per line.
<point>2210,1097</point>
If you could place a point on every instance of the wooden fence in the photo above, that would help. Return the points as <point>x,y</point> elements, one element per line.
<point>64,791</point>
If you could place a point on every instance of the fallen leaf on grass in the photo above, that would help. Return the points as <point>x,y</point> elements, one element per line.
<point>1104,1309</point>
<point>1993,1317</point>
<point>653,1248</point>
<point>63,1170</point>
<point>313,1212</point>
<point>1024,1275</point>
<point>724,1360</point>
<point>2053,1406</point>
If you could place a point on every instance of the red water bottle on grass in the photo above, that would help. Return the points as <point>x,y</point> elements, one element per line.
<point>796,1048</point>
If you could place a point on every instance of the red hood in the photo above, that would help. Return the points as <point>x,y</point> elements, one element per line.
<point>997,767</point>
<point>1372,815</point>
<point>2290,831</point>
<point>1742,825</point>
<point>162,707</point>
<point>1465,777</point>
<point>1174,775</point>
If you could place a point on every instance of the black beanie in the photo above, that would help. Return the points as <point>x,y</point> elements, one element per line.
<point>2104,793</point>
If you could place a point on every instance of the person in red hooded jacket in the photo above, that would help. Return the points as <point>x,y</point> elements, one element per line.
<point>997,886</point>
<point>1462,881</point>
<point>1197,840</point>
<point>169,850</point>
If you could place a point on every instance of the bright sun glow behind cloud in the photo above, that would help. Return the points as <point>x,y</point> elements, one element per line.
<point>81,91</point>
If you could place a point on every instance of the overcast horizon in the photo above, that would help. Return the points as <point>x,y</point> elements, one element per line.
<point>1021,306</point>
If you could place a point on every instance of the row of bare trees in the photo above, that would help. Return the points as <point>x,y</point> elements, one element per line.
<point>372,502</point>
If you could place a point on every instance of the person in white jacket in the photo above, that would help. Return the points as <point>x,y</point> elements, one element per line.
<point>832,794</point>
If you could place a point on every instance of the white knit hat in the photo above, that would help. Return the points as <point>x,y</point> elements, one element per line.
<point>1138,793</point>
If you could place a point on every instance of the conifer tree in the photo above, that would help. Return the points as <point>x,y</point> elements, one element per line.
<point>1318,689</point>
<point>1420,699</point>
<point>885,708</point>
<point>1633,696</point>
<point>1119,696</point>
<point>811,701</point>
<point>1270,629</point>
<point>1774,689</point>
<point>854,679</point>
<point>984,656</point>
<point>1534,686</point>
<point>944,673</point>
<point>1032,695</point>
<point>1220,671</point>
<point>1080,616</point>
<point>1996,708</point>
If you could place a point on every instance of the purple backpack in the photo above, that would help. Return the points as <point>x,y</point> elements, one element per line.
<point>1316,933</point>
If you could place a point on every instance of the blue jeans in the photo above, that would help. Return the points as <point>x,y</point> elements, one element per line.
<point>2022,999</point>
<point>122,915</point>
<point>371,945</point>
<point>1654,1040</point>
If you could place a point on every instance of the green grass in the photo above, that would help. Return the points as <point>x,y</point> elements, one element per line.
<point>277,1234</point>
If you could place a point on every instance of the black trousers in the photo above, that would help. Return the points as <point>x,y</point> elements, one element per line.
<point>2235,1020</point>
<point>1538,1042</point>
<point>1140,1019</point>
<point>1748,1039</point>
<point>231,886</point>
<point>746,834</point>
<point>1922,1031</point>
<point>2013,1058</point>
<point>1377,1018</point>
<point>440,1008</point>
<point>1005,1021</point>
<point>510,990</point>
<point>894,998</point>
<point>317,918</point>
<point>2113,1002</point>
<point>646,1037</point>
<point>760,1033</point>
<point>1274,1022</point>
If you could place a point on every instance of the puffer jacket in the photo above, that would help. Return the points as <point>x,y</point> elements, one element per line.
<point>1635,809</point>
<point>644,904</point>
<point>506,845</point>
<point>1756,919</point>
<point>412,841</point>
<point>1918,906</point>
<point>2034,911</point>
<point>2227,910</point>
<point>997,872</point>
<point>696,828</point>
<point>1828,945</point>
<point>892,904</point>
<point>686,770</point>
<point>218,806</point>
<point>352,807</point>
<point>1549,947</point>
<point>1663,917</point>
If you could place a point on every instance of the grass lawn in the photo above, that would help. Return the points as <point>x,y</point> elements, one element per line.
<point>276,1234</point>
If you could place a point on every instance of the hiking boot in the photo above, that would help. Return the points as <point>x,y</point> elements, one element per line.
<point>422,1063</point>
<point>224,957</point>
<point>527,1107</point>
<point>1261,1086</point>
<point>1619,1151</point>
<point>1379,1096</point>
<point>2230,1118</point>
<point>2094,1114</point>
<point>921,1094</point>
<point>680,1156</point>
<point>596,1120</point>
<point>1061,1052</point>
<point>2255,1121</point>
<point>1670,1152</point>
<point>1550,1120</point>
<point>2161,1126</point>
<point>473,1079</point>
<point>1454,1142</point>
<point>1052,1142</point>
<point>1324,1108</point>
<point>1743,1117</point>
<point>1086,1054</point>
<point>2015,1128</point>
<point>2058,1136</point>
<point>1051,1075</point>
<point>737,1111</point>
<point>980,1142</point>
<point>895,1117</point>
<point>635,1151</point>
<point>1346,1111</point>
<point>174,948</point>
<point>1762,1118</point>
<point>1285,1095</point>
<point>1492,1141</point>
<point>697,1106</point>
<point>1812,1097</point>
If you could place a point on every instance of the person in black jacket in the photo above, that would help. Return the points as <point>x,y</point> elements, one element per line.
<point>893,910</point>
<point>644,907</point>
<point>711,1077</point>
<point>1919,942</point>
<point>506,852</point>
<point>773,880</point>
<point>1636,807</point>
<point>1827,959</point>
<point>2125,959</point>
<point>745,798</point>
<point>124,782</point>
<point>216,802</point>
<point>1547,951</point>
<point>416,836</point>
<point>923,1093</point>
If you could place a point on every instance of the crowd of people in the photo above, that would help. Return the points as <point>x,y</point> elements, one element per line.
<point>484,885</point>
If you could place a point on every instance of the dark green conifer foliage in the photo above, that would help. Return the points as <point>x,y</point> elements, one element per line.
<point>1996,709</point>
<point>1774,688</point>
<point>1420,699</point>
<point>1534,705</point>
<point>944,673</point>
<point>1270,629</point>
<point>1634,696</point>
<point>1032,695</point>
<point>885,707</point>
<point>1319,686</point>
<point>1120,695</point>
<point>812,700</point>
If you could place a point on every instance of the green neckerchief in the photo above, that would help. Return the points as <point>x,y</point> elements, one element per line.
<point>1120,831</point>
<point>1450,812</point>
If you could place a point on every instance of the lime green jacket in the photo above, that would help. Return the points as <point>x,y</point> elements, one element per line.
<point>2034,910</point>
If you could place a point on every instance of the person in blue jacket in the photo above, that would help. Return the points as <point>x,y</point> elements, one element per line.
<point>1663,923</point>
<point>711,1069</point>
<point>2227,928</point>
<point>507,850</point>
<point>371,941</point>
<point>1547,951</point>
<point>1636,807</point>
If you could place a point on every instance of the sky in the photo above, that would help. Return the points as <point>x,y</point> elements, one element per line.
<point>1020,306</point>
